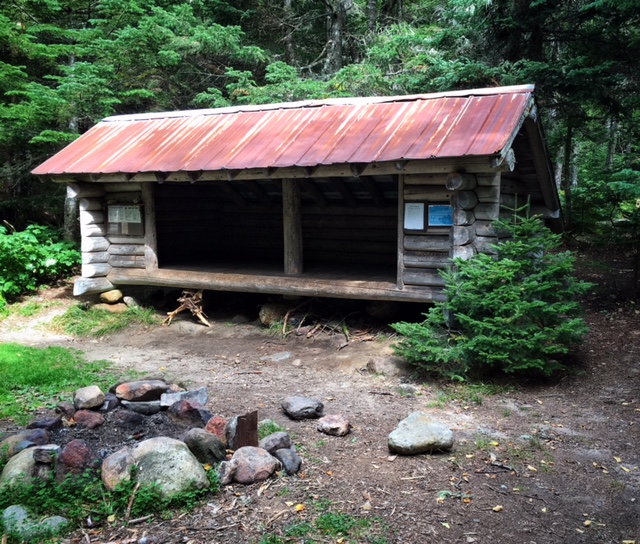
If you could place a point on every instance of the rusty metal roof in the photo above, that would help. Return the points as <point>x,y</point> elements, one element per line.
<point>480,122</point>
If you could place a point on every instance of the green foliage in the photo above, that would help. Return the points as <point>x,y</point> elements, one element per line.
<point>267,427</point>
<point>33,257</point>
<point>34,378</point>
<point>80,321</point>
<point>514,313</point>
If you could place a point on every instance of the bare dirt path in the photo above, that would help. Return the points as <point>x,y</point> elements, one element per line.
<point>538,463</point>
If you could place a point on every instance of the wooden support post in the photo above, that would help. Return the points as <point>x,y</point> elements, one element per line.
<point>292,226</point>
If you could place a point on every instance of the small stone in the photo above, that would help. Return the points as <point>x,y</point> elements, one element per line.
<point>275,441</point>
<point>272,313</point>
<point>86,419</point>
<point>49,424</point>
<point>197,395</point>
<point>146,408</point>
<point>116,468</point>
<point>66,409</point>
<point>128,418</point>
<point>130,302</point>
<point>142,390</point>
<point>46,454</point>
<point>407,390</point>
<point>217,425</point>
<point>420,433</point>
<point>254,465</point>
<point>207,447</point>
<point>111,402</point>
<point>111,297</point>
<point>226,471</point>
<point>22,440</point>
<point>87,398</point>
<point>276,357</point>
<point>290,460</point>
<point>389,366</point>
<point>74,458</point>
<point>335,425</point>
<point>111,308</point>
<point>302,407</point>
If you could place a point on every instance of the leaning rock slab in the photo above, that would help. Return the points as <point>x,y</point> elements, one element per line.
<point>290,460</point>
<point>302,407</point>
<point>198,396</point>
<point>207,447</point>
<point>254,465</point>
<point>19,469</point>
<point>420,433</point>
<point>335,425</point>
<point>275,441</point>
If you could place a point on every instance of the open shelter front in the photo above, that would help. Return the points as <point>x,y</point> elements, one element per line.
<point>353,198</point>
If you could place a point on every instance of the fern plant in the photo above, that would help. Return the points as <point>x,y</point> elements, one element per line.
<point>511,313</point>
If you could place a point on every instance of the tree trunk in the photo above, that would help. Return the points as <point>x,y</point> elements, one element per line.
<point>566,178</point>
<point>335,35</point>
<point>372,15</point>
<point>70,231</point>
<point>289,51</point>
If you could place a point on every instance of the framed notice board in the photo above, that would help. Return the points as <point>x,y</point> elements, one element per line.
<point>440,215</point>
<point>125,220</point>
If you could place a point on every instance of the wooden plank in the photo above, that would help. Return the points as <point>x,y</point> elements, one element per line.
<point>95,270</point>
<point>426,192</point>
<point>487,212</point>
<point>122,187</point>
<point>483,244</point>
<point>420,276</point>
<point>488,180</point>
<point>95,243</point>
<point>312,190</point>
<point>466,200</point>
<point>400,245</point>
<point>427,243</point>
<point>484,228</point>
<point>292,228</point>
<point>488,194</point>
<point>86,190</point>
<point>426,259</point>
<point>463,235</point>
<point>90,204</point>
<point>463,217</point>
<point>95,257</point>
<point>340,185</point>
<point>457,181</point>
<point>374,190</point>
<point>92,217</point>
<point>84,286</point>
<point>93,230</point>
<point>126,249</point>
<point>463,252</point>
<point>127,261</point>
<point>425,179</point>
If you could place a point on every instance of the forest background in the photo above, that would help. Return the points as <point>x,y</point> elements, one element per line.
<point>66,64</point>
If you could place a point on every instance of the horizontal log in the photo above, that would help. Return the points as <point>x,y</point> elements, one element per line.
<point>133,197</point>
<point>95,243</point>
<point>425,192</point>
<point>427,243</point>
<point>487,212</point>
<point>513,186</point>
<point>85,286</point>
<point>412,276</point>
<point>92,217</point>
<point>95,257</point>
<point>463,235</point>
<point>485,228</point>
<point>464,252</point>
<point>121,187</point>
<point>463,217</point>
<point>305,285</point>
<point>115,239</point>
<point>513,202</point>
<point>466,200</point>
<point>95,270</point>
<point>127,261</point>
<point>425,179</point>
<point>484,244</point>
<point>417,259</point>
<point>488,194</point>
<point>93,230</point>
<point>488,180</point>
<point>126,249</point>
<point>86,190</point>
<point>87,204</point>
<point>460,182</point>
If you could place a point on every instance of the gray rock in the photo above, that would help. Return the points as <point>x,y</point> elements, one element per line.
<point>302,408</point>
<point>87,398</point>
<point>146,408</point>
<point>49,423</point>
<point>66,409</point>
<point>130,302</point>
<point>407,390</point>
<point>276,357</point>
<point>197,395</point>
<point>142,390</point>
<point>290,460</point>
<point>275,441</point>
<point>420,433</point>
<point>163,461</point>
<point>22,440</point>
<point>189,413</point>
<point>46,454</point>
<point>111,402</point>
<point>207,447</point>
<point>335,425</point>
<point>17,522</point>
<point>389,366</point>
<point>128,418</point>
<point>254,465</point>
<point>19,469</point>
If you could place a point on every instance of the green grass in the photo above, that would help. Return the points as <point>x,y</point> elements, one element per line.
<point>35,378</point>
<point>267,427</point>
<point>78,321</point>
<point>466,393</point>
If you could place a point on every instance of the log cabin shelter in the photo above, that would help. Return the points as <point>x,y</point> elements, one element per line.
<point>362,198</point>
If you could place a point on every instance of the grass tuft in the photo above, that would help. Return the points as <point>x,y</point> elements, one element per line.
<point>78,321</point>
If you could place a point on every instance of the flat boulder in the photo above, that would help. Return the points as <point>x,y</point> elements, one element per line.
<point>87,419</point>
<point>17,522</point>
<point>87,398</point>
<point>141,390</point>
<point>161,460</point>
<point>198,396</point>
<point>253,465</point>
<point>420,433</point>
<point>335,425</point>
<point>207,447</point>
<point>302,407</point>
<point>290,459</point>
<point>275,441</point>
<point>22,440</point>
<point>19,469</point>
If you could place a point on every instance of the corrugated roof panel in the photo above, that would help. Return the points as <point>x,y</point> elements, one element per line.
<point>362,130</point>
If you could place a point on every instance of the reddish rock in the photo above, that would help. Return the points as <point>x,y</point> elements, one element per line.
<point>217,425</point>
<point>189,412</point>
<point>75,458</point>
<point>335,425</point>
<point>85,419</point>
<point>254,465</point>
<point>142,390</point>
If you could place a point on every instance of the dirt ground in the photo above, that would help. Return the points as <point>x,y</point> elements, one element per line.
<point>544,462</point>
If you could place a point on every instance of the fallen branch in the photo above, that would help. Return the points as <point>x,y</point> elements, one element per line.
<point>140,520</point>
<point>130,505</point>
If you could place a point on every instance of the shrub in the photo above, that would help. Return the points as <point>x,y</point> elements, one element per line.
<point>516,312</point>
<point>33,257</point>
